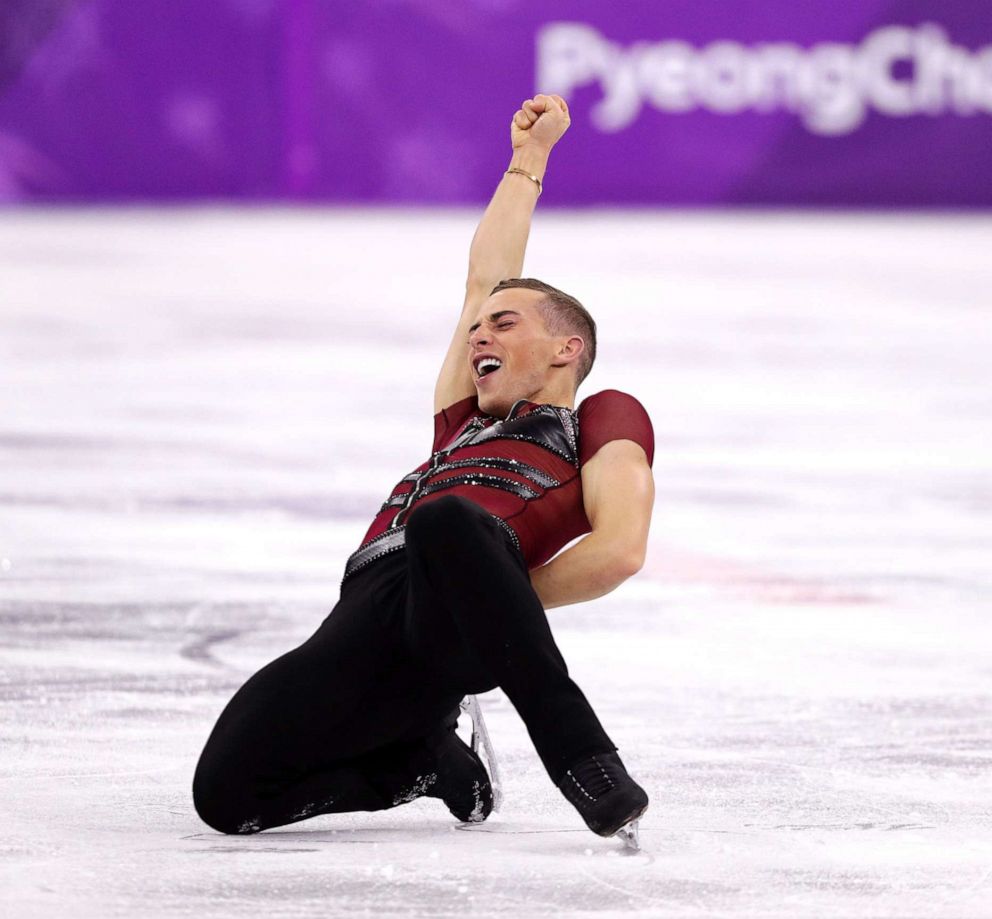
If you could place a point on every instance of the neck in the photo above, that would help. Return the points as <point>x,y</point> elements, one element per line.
<point>554,395</point>
<point>561,394</point>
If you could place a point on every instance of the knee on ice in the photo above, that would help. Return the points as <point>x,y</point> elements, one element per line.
<point>221,808</point>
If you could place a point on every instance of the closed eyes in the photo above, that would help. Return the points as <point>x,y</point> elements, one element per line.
<point>502,325</point>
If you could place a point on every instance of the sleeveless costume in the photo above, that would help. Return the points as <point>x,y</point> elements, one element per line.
<point>435,604</point>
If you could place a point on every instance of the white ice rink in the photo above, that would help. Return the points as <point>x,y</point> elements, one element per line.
<point>202,410</point>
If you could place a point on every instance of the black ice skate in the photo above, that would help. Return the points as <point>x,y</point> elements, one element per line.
<point>606,797</point>
<point>461,778</point>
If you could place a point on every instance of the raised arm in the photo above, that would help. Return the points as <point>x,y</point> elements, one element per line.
<point>497,250</point>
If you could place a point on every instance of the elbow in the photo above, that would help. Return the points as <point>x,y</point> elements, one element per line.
<point>626,566</point>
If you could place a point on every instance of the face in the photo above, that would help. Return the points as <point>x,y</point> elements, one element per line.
<point>510,329</point>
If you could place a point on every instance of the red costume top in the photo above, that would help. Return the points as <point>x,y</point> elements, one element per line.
<point>523,469</point>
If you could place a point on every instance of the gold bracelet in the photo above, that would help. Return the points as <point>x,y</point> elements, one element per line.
<point>529,176</point>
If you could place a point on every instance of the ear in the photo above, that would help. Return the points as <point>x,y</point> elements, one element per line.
<point>568,351</point>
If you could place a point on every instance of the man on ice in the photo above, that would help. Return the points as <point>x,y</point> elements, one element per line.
<point>446,595</point>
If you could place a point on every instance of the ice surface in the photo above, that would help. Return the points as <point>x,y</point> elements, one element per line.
<point>191,445</point>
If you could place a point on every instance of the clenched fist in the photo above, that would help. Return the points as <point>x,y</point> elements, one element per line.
<point>540,121</point>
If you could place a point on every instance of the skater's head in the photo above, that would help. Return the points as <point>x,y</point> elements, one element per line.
<point>544,339</point>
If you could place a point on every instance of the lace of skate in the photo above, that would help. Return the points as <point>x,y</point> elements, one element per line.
<point>593,778</point>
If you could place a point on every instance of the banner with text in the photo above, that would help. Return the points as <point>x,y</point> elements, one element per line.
<point>409,101</point>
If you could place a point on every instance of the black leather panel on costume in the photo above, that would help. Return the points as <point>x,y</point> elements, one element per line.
<point>535,475</point>
<point>472,478</point>
<point>550,426</point>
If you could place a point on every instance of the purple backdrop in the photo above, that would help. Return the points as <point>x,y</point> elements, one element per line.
<point>679,102</point>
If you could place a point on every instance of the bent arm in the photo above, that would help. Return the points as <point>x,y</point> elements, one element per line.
<point>585,571</point>
<point>618,497</point>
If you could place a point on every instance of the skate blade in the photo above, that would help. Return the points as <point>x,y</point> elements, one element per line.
<point>480,735</point>
<point>630,836</point>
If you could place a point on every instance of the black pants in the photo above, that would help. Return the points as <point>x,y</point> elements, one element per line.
<point>338,724</point>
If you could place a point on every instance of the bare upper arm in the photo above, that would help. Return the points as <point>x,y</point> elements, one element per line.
<point>454,382</point>
<point>618,497</point>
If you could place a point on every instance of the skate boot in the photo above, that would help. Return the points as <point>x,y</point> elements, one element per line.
<point>606,797</point>
<point>461,779</point>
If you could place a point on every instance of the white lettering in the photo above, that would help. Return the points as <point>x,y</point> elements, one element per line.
<point>896,70</point>
<point>622,101</point>
<point>981,80</point>
<point>720,77</point>
<point>879,53</point>
<point>569,54</point>
<point>829,99</point>
<point>773,76</point>
<point>663,75</point>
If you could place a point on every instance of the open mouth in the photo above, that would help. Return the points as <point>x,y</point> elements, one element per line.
<point>487,367</point>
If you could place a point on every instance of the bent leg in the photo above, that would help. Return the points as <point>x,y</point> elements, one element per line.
<point>329,727</point>
<point>473,613</point>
